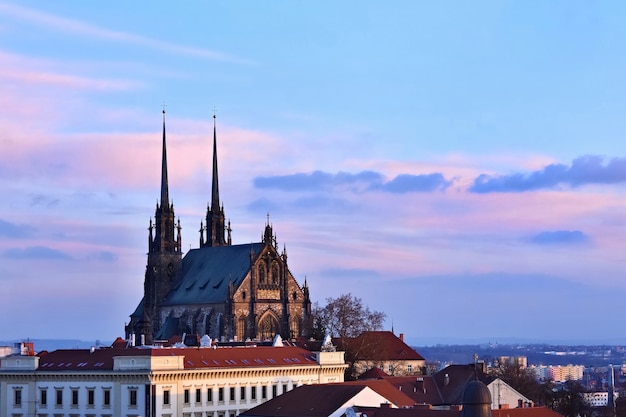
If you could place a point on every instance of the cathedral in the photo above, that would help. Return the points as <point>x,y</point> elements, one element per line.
<point>228,292</point>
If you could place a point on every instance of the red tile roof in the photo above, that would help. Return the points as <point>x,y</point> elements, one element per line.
<point>223,357</point>
<point>428,412</point>
<point>422,389</point>
<point>307,401</point>
<point>385,389</point>
<point>381,345</point>
<point>373,373</point>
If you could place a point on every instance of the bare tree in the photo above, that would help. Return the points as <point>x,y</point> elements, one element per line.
<point>346,316</point>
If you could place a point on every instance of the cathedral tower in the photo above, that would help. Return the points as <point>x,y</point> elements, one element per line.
<point>215,219</point>
<point>164,255</point>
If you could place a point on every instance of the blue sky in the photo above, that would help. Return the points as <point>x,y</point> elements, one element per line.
<point>460,166</point>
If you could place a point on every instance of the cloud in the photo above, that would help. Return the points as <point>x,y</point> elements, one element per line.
<point>588,169</point>
<point>359,182</point>
<point>558,237</point>
<point>407,183</point>
<point>34,252</point>
<point>13,231</point>
<point>104,256</point>
<point>41,77</point>
<point>85,29</point>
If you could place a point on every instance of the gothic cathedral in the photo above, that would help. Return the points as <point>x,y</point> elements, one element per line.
<point>225,291</point>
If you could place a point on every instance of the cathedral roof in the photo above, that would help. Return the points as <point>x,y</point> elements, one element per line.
<point>207,272</point>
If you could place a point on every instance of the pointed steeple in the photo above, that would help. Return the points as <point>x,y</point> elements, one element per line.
<point>164,256</point>
<point>215,187</point>
<point>215,219</point>
<point>165,196</point>
<point>164,239</point>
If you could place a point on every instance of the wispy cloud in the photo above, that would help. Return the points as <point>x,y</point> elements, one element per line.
<point>85,29</point>
<point>359,182</point>
<point>560,237</point>
<point>34,252</point>
<point>14,231</point>
<point>589,169</point>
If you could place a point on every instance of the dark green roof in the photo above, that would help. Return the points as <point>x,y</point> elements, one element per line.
<point>206,273</point>
<point>138,313</point>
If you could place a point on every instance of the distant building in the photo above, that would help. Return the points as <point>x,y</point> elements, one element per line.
<point>598,399</point>
<point>445,388</point>
<point>329,400</point>
<point>383,350</point>
<point>158,382</point>
<point>226,291</point>
<point>558,373</point>
<point>520,361</point>
<point>376,399</point>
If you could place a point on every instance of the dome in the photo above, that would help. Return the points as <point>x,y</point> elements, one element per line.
<point>476,393</point>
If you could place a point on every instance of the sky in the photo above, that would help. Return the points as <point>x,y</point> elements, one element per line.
<point>460,166</point>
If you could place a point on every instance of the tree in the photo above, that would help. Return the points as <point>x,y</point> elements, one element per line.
<point>524,381</point>
<point>569,401</point>
<point>345,318</point>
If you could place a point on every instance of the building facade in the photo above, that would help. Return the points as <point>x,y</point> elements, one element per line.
<point>158,382</point>
<point>225,291</point>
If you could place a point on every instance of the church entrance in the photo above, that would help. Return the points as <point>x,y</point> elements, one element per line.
<point>268,326</point>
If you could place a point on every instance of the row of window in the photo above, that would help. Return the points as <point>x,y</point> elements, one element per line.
<point>132,395</point>
<point>75,397</point>
<point>221,392</point>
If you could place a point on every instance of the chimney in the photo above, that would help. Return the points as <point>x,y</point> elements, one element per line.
<point>385,405</point>
<point>402,336</point>
<point>446,380</point>
<point>520,403</point>
<point>504,406</point>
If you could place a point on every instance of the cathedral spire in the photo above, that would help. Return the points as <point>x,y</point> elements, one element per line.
<point>215,219</point>
<point>165,197</point>
<point>215,188</point>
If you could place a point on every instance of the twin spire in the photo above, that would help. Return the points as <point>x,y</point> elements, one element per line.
<point>213,234</point>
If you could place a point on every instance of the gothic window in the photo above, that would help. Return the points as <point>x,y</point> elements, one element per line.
<point>241,328</point>
<point>274,274</point>
<point>268,327</point>
<point>262,273</point>
<point>295,326</point>
<point>209,327</point>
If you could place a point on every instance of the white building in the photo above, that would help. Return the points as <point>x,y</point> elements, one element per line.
<point>158,382</point>
<point>598,399</point>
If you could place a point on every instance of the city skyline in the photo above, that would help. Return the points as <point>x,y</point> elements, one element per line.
<point>460,167</point>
